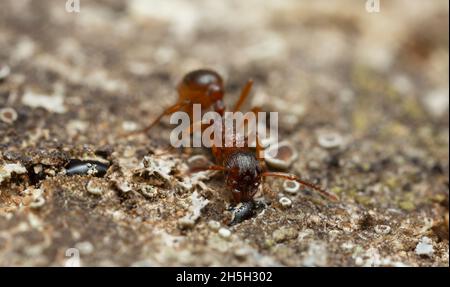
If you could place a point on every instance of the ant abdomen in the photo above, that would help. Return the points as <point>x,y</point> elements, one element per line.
<point>200,82</point>
<point>203,87</point>
<point>201,79</point>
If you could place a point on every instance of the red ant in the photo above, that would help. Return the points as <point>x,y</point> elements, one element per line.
<point>244,170</point>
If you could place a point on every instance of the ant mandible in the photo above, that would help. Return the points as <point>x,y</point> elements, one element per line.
<point>244,169</point>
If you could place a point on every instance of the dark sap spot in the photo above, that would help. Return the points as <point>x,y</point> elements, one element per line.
<point>242,212</point>
<point>86,167</point>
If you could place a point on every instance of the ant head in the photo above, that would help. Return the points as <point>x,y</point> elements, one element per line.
<point>243,175</point>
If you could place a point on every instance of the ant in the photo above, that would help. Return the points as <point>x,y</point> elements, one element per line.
<point>244,169</point>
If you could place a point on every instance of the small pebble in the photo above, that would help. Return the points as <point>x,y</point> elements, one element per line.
<point>224,233</point>
<point>4,72</point>
<point>436,102</point>
<point>85,247</point>
<point>285,202</point>
<point>129,126</point>
<point>241,253</point>
<point>382,229</point>
<point>214,225</point>
<point>93,187</point>
<point>8,115</point>
<point>330,140</point>
<point>291,186</point>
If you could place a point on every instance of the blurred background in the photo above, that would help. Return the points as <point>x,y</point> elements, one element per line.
<point>372,85</point>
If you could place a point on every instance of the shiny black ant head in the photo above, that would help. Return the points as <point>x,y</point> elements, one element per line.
<point>243,175</point>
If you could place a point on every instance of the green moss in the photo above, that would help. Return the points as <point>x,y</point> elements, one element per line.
<point>336,190</point>
<point>362,199</point>
<point>392,182</point>
<point>269,243</point>
<point>407,205</point>
<point>413,110</point>
<point>360,121</point>
<point>352,192</point>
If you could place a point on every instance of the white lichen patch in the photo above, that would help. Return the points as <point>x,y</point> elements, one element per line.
<point>52,103</point>
<point>198,203</point>
<point>149,191</point>
<point>330,140</point>
<point>291,186</point>
<point>316,255</point>
<point>285,202</point>
<point>195,180</point>
<point>164,167</point>
<point>37,198</point>
<point>158,166</point>
<point>280,155</point>
<point>425,247</point>
<point>11,168</point>
<point>8,115</point>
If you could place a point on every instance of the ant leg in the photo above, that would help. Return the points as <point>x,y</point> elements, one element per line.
<point>288,176</point>
<point>267,191</point>
<point>217,153</point>
<point>211,167</point>
<point>245,92</point>
<point>167,111</point>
